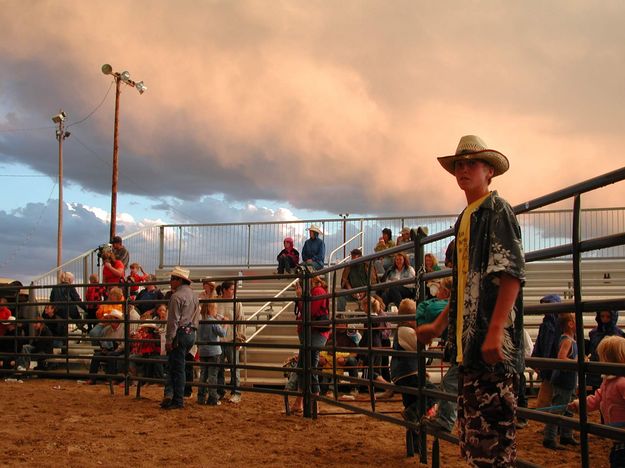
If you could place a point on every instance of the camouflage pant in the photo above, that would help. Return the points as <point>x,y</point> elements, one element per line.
<point>486,410</point>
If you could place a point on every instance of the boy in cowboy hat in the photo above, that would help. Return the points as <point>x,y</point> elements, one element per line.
<point>485,310</point>
<point>314,250</point>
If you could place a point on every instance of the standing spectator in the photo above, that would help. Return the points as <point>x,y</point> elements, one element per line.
<point>564,384</point>
<point>606,326</point>
<point>485,310</point>
<point>66,298</point>
<point>95,293</point>
<point>314,250</point>
<point>288,258</point>
<point>113,270</point>
<point>546,346</point>
<point>208,292</point>
<point>384,242</point>
<point>318,336</point>
<point>111,347</point>
<point>120,251</point>
<point>182,322</point>
<point>40,344</point>
<point>210,331</point>
<point>230,352</point>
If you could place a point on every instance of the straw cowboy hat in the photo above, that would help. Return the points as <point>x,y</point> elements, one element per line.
<point>181,273</point>
<point>473,147</point>
<point>315,228</point>
<point>114,314</point>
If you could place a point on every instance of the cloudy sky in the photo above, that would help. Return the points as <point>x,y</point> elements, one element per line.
<point>269,110</point>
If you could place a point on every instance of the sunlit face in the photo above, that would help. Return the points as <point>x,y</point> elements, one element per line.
<point>208,288</point>
<point>472,174</point>
<point>429,263</point>
<point>161,310</point>
<point>228,293</point>
<point>399,262</point>
<point>605,316</point>
<point>385,236</point>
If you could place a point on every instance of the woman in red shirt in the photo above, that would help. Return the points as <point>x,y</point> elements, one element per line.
<point>113,270</point>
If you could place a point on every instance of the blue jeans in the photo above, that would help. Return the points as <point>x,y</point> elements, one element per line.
<point>561,396</point>
<point>447,411</point>
<point>315,340</point>
<point>231,356</point>
<point>176,378</point>
<point>208,375</point>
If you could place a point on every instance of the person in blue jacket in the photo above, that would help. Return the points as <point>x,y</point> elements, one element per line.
<point>314,250</point>
<point>606,326</point>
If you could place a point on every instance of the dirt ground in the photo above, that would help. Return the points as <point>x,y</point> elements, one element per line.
<point>62,422</point>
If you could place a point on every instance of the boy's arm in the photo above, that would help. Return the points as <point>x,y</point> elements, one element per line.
<point>509,287</point>
<point>426,333</point>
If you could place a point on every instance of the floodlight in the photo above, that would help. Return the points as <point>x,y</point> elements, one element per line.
<point>125,76</point>
<point>107,69</point>
<point>58,118</point>
<point>141,87</point>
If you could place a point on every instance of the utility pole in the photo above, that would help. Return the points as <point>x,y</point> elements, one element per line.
<point>61,135</point>
<point>344,216</point>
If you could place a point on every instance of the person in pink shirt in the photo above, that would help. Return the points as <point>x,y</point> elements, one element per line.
<point>610,397</point>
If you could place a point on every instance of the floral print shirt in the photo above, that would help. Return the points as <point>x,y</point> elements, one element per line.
<point>494,248</point>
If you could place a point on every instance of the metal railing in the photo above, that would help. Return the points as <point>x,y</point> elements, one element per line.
<point>245,245</point>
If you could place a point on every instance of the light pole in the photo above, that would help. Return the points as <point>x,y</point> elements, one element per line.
<point>61,135</point>
<point>141,87</point>
<point>344,216</point>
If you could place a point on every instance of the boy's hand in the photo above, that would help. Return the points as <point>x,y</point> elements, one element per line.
<point>492,352</point>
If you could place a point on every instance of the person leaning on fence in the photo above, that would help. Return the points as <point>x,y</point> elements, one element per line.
<point>563,384</point>
<point>546,346</point>
<point>610,396</point>
<point>485,310</point>
<point>288,258</point>
<point>404,369</point>
<point>231,354</point>
<point>319,310</point>
<point>314,249</point>
<point>182,322</point>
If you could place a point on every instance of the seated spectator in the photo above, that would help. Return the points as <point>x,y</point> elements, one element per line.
<point>401,269</point>
<point>345,337</point>
<point>210,330</point>
<point>136,276</point>
<point>66,299</point>
<point>404,369</point>
<point>314,250</point>
<point>95,293</point>
<point>146,345</point>
<point>384,242</point>
<point>116,295</point>
<point>606,326</point>
<point>356,276</point>
<point>288,258</point>
<point>111,346</point>
<point>5,313</point>
<point>56,324</point>
<point>40,344</point>
<point>431,264</point>
<point>428,310</point>
<point>147,297</point>
<point>404,238</point>
<point>113,270</point>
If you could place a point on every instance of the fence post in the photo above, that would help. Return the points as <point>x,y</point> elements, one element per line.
<point>249,245</point>
<point>179,244</point>
<point>579,326</point>
<point>421,409</point>
<point>307,351</point>
<point>161,247</point>
<point>126,312</point>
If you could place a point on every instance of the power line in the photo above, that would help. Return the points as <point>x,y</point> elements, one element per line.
<point>26,239</point>
<point>32,129</point>
<point>23,175</point>
<point>124,176</point>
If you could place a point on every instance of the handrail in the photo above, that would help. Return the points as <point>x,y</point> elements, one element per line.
<point>282,291</point>
<point>361,233</point>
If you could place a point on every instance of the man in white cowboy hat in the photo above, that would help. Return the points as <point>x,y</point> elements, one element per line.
<point>314,250</point>
<point>182,323</point>
<point>485,309</point>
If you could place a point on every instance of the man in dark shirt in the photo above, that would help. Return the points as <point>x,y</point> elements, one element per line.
<point>120,251</point>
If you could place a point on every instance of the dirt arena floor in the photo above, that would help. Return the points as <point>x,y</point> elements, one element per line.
<point>64,423</point>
